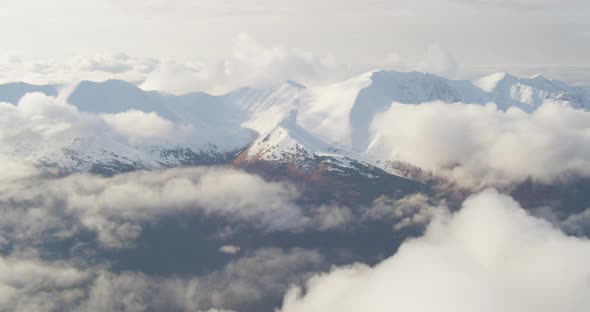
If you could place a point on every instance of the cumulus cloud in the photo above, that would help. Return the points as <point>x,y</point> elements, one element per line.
<point>38,118</point>
<point>240,284</point>
<point>253,62</point>
<point>249,62</point>
<point>38,207</point>
<point>436,60</point>
<point>135,123</point>
<point>116,207</point>
<point>489,256</point>
<point>229,249</point>
<point>574,223</point>
<point>481,145</point>
<point>117,63</point>
<point>96,67</point>
<point>250,279</point>
<point>328,217</point>
<point>34,285</point>
<point>14,169</point>
<point>40,210</point>
<point>439,61</point>
<point>179,78</point>
<point>409,211</point>
<point>50,131</point>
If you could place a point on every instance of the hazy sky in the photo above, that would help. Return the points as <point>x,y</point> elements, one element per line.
<point>513,35</point>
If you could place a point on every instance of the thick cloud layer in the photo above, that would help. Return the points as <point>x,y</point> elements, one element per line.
<point>481,145</point>
<point>490,256</point>
<point>115,208</point>
<point>43,213</point>
<point>34,285</point>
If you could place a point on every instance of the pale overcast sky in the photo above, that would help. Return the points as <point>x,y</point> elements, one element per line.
<point>481,35</point>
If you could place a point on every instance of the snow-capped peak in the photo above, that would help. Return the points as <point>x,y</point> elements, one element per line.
<point>491,82</point>
<point>280,121</point>
<point>288,142</point>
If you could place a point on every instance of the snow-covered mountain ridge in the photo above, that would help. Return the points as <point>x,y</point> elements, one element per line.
<point>284,124</point>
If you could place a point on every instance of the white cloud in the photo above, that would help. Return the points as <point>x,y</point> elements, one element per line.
<point>229,249</point>
<point>481,145</point>
<point>439,61</point>
<point>112,64</point>
<point>97,67</point>
<point>411,210</point>
<point>34,285</point>
<point>249,279</point>
<point>115,208</point>
<point>577,223</point>
<point>489,256</point>
<point>327,217</point>
<point>180,78</point>
<point>355,30</point>
<point>250,63</point>
<point>138,124</point>
<point>15,169</point>
<point>38,206</point>
<point>38,118</point>
<point>40,125</point>
<point>253,63</point>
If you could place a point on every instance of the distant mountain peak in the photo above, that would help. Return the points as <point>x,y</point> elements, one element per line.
<point>109,83</point>
<point>12,92</point>
<point>491,82</point>
<point>286,122</point>
<point>539,77</point>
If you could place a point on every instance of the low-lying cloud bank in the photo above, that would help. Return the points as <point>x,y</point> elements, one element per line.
<point>40,211</point>
<point>37,207</point>
<point>33,285</point>
<point>489,256</point>
<point>483,146</point>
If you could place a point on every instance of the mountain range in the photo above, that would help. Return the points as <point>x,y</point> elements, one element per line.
<point>307,134</point>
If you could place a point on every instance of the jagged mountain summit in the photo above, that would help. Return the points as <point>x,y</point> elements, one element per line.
<point>323,127</point>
